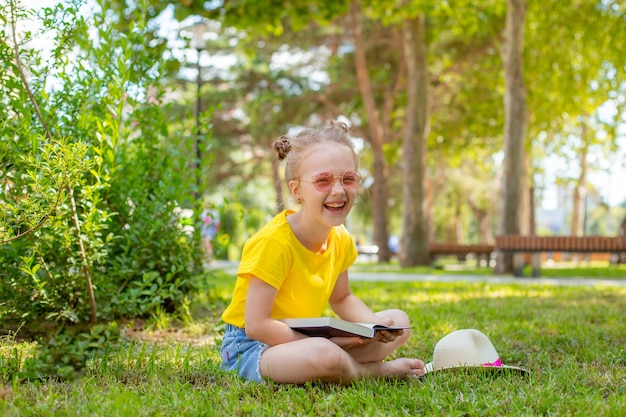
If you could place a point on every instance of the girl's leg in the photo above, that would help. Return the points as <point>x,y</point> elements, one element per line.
<point>378,351</point>
<point>319,359</point>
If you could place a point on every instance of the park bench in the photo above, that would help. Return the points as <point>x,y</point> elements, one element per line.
<point>573,244</point>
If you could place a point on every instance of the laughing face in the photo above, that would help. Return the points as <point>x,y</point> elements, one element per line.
<point>327,184</point>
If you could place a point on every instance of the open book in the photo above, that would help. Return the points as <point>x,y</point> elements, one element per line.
<point>332,327</point>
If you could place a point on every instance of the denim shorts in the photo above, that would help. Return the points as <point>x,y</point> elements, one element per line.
<point>242,354</point>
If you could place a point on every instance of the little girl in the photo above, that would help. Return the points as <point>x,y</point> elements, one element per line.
<point>296,265</point>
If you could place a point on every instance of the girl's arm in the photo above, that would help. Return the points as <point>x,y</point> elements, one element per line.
<point>350,307</point>
<point>258,322</point>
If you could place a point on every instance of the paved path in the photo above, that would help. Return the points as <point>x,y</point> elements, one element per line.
<point>231,267</point>
<point>498,279</point>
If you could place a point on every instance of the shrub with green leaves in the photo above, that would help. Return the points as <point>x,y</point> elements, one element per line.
<point>92,171</point>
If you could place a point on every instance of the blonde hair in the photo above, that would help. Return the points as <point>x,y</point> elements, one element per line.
<point>294,149</point>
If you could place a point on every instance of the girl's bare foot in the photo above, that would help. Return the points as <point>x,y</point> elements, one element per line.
<point>403,368</point>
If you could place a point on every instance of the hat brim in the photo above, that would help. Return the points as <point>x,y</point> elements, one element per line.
<point>429,368</point>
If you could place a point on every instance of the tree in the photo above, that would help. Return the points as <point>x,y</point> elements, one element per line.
<point>443,77</point>
<point>515,127</point>
<point>464,87</point>
<point>415,228</point>
<point>566,92</point>
<point>375,136</point>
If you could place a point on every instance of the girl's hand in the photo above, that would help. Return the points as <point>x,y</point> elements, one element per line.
<point>349,342</point>
<point>386,336</point>
<point>383,336</point>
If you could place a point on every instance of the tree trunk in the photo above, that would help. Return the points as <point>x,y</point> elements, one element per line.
<point>458,222</point>
<point>414,246</point>
<point>620,257</point>
<point>526,200</point>
<point>580,190</point>
<point>529,203</point>
<point>430,199</point>
<point>483,218</point>
<point>375,137</point>
<point>514,128</point>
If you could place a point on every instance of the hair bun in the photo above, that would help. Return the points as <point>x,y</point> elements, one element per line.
<point>333,124</point>
<point>282,147</point>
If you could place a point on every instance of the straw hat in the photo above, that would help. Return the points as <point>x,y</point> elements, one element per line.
<point>467,348</point>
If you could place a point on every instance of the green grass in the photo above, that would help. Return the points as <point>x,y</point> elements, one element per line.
<point>572,339</point>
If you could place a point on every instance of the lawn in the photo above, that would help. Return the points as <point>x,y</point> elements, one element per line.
<point>572,339</point>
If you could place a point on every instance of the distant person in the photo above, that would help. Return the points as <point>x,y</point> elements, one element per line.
<point>210,228</point>
<point>394,244</point>
<point>296,265</point>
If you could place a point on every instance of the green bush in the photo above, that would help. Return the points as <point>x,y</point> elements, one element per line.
<point>61,356</point>
<point>93,173</point>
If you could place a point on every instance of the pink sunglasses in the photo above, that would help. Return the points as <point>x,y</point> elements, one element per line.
<point>324,181</point>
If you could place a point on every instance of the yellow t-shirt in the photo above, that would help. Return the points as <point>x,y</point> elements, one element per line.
<point>304,280</point>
